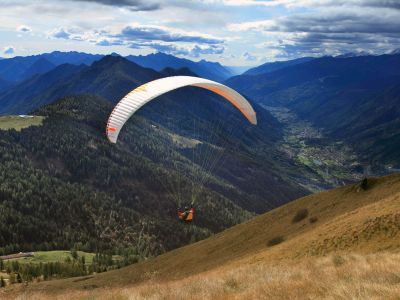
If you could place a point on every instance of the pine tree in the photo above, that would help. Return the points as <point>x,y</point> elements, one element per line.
<point>2,282</point>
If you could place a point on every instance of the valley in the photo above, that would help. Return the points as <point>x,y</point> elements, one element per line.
<point>326,162</point>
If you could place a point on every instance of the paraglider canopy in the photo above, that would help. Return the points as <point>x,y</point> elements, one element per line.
<point>147,92</point>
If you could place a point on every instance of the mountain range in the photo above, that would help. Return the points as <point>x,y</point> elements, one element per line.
<point>203,68</point>
<point>19,68</point>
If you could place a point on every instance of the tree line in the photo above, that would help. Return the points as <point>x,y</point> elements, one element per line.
<point>74,265</point>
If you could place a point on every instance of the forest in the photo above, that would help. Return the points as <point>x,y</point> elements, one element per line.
<point>63,185</point>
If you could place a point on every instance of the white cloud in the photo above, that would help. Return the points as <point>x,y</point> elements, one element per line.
<point>212,29</point>
<point>134,5</point>
<point>23,28</point>
<point>249,57</point>
<point>165,34</point>
<point>60,33</point>
<point>314,3</point>
<point>8,50</point>
<point>158,38</point>
<point>331,31</point>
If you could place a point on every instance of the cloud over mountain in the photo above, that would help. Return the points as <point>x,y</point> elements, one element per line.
<point>218,30</point>
<point>162,39</point>
<point>341,26</point>
<point>134,5</point>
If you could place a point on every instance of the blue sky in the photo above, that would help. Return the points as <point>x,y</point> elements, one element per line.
<point>233,32</point>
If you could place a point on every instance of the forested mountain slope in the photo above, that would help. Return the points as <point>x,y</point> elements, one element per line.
<point>63,183</point>
<point>111,77</point>
<point>32,93</point>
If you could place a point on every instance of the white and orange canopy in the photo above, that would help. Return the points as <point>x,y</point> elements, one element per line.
<point>147,92</point>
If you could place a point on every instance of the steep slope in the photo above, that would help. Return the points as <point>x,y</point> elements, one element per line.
<point>4,84</point>
<point>20,68</point>
<point>114,192</point>
<point>111,194</point>
<point>111,77</point>
<point>30,93</point>
<point>40,66</point>
<point>203,68</point>
<point>216,70</point>
<point>374,129</point>
<point>363,218</point>
<point>13,69</point>
<point>277,65</point>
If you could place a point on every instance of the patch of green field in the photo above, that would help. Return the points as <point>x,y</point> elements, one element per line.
<point>17,122</point>
<point>54,256</point>
<point>184,142</point>
<point>58,256</point>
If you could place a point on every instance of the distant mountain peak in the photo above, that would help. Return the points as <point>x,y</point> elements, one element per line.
<point>40,66</point>
<point>159,61</point>
<point>110,59</point>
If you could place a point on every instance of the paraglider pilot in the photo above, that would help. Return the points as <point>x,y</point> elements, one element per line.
<point>186,215</point>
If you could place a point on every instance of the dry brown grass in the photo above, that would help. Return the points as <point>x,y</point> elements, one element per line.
<point>350,220</point>
<point>337,276</point>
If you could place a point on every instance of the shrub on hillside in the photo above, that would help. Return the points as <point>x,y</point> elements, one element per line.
<point>338,260</point>
<point>313,219</point>
<point>232,284</point>
<point>364,184</point>
<point>300,215</point>
<point>275,241</point>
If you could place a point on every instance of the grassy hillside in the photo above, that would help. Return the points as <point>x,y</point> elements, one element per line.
<point>53,256</point>
<point>350,276</point>
<point>362,219</point>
